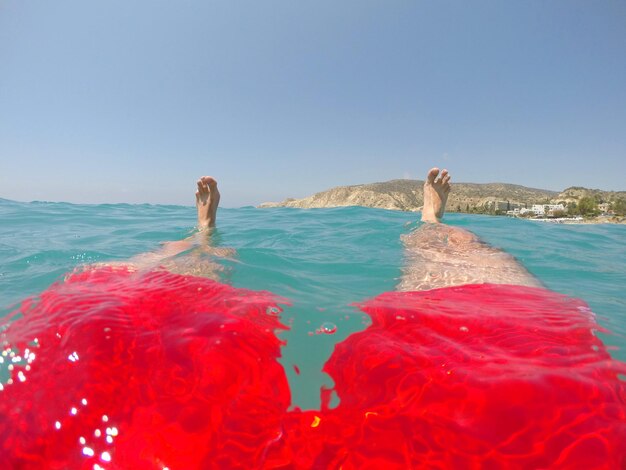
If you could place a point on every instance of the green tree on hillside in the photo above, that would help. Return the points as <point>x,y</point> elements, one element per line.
<point>619,207</point>
<point>588,206</point>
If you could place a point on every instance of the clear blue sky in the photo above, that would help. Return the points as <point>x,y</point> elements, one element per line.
<point>130,101</point>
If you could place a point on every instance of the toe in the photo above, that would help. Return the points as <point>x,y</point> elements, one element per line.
<point>432,175</point>
<point>209,181</point>
<point>202,187</point>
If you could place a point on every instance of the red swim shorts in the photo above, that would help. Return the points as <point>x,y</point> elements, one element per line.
<point>121,369</point>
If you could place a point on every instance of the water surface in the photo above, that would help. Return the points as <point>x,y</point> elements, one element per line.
<point>322,260</point>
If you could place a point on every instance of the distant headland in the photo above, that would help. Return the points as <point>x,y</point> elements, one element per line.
<point>574,204</point>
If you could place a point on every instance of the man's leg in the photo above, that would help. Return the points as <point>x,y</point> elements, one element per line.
<point>200,259</point>
<point>207,200</point>
<point>439,255</point>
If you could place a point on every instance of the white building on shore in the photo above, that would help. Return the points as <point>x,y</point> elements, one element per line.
<point>503,206</point>
<point>547,209</point>
<point>540,210</point>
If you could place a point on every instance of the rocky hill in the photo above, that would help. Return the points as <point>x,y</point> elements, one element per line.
<point>575,193</point>
<point>407,195</point>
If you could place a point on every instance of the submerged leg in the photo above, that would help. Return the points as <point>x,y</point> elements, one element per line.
<point>439,255</point>
<point>200,259</point>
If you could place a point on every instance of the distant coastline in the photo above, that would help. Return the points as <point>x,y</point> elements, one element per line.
<point>574,205</point>
<point>583,221</point>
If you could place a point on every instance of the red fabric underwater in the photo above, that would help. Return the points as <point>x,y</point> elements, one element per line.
<point>177,371</point>
<point>116,369</point>
<point>477,376</point>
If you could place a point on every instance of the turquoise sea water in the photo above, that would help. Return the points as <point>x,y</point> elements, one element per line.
<point>321,260</point>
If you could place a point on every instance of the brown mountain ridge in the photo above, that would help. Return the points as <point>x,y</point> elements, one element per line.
<point>407,195</point>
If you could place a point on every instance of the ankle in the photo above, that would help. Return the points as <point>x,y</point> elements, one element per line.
<point>430,217</point>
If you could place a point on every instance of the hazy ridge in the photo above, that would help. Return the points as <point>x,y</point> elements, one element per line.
<point>407,195</point>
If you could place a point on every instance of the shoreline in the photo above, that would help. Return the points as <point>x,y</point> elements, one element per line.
<point>612,220</point>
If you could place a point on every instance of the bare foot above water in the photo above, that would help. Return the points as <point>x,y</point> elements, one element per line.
<point>207,200</point>
<point>436,189</point>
